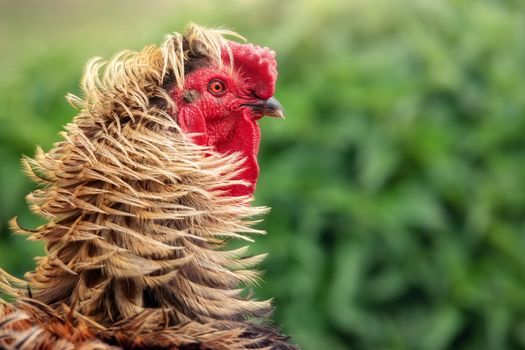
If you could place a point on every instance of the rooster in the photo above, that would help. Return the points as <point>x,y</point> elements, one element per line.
<point>151,180</point>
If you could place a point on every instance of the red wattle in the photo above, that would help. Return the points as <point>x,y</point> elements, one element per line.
<point>236,133</point>
<point>244,138</point>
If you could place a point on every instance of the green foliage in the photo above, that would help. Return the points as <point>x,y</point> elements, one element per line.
<point>398,215</point>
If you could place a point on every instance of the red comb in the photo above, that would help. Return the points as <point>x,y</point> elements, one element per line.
<point>257,65</point>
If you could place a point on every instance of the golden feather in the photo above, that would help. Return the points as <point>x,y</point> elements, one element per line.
<point>137,220</point>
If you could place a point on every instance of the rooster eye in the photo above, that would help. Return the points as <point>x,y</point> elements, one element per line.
<point>217,87</point>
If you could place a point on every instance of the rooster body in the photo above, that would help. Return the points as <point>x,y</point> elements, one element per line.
<point>152,178</point>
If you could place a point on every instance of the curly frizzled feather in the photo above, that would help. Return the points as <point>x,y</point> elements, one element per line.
<point>138,221</point>
<point>137,217</point>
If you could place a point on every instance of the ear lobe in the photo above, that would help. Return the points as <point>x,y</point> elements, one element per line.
<point>192,122</point>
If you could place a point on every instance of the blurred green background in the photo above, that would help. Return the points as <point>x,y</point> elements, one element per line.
<point>396,181</point>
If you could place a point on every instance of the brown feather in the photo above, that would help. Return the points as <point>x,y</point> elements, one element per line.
<point>34,325</point>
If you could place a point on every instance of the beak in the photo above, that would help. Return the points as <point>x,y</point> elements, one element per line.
<point>270,107</point>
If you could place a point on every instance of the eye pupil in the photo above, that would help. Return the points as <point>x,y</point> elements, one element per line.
<point>216,87</point>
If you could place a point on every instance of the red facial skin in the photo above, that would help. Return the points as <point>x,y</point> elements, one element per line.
<point>219,119</point>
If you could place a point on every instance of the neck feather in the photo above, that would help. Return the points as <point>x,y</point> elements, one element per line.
<point>137,214</point>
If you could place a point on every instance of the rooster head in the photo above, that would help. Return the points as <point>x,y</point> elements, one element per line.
<point>220,103</point>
